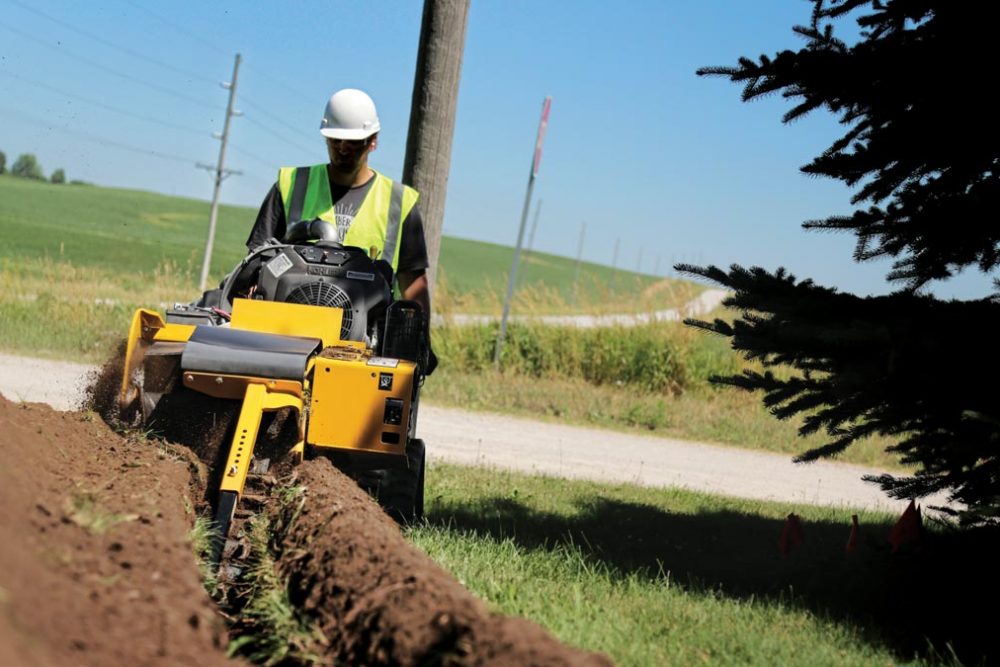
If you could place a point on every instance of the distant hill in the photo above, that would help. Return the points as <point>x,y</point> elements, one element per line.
<point>134,231</point>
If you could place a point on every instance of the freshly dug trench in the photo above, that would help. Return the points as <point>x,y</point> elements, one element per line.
<point>95,563</point>
<point>377,599</point>
<point>380,601</point>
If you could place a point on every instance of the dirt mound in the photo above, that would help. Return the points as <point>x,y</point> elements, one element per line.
<point>375,599</point>
<point>380,601</point>
<point>95,563</point>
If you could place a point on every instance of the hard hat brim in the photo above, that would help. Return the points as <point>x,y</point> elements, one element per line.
<point>348,134</point>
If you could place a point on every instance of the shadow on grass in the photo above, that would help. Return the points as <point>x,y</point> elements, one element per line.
<point>922,601</point>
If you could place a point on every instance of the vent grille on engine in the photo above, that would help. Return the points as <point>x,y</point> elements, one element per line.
<point>328,295</point>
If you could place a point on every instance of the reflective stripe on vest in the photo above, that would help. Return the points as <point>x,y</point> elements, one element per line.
<point>305,193</point>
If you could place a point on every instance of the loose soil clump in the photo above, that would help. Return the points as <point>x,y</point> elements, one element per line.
<point>378,600</point>
<point>95,563</point>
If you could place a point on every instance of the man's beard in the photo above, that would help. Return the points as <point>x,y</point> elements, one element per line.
<point>346,165</point>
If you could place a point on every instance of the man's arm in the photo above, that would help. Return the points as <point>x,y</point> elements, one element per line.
<point>413,286</point>
<point>412,270</point>
<point>270,221</point>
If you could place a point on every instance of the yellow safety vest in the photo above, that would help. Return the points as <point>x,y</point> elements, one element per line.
<point>305,192</point>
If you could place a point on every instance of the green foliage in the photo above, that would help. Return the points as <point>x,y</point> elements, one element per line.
<point>672,577</point>
<point>58,177</point>
<point>920,147</point>
<point>271,631</point>
<point>920,154</point>
<point>3,162</point>
<point>200,536</point>
<point>656,357</point>
<point>26,166</point>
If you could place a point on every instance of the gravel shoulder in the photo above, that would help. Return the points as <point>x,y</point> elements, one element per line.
<point>503,441</point>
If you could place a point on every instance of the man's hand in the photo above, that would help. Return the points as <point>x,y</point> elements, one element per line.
<point>413,286</point>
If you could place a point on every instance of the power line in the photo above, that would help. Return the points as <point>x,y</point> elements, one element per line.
<point>275,119</point>
<point>112,45</point>
<point>124,112</point>
<point>275,134</point>
<point>176,27</point>
<point>213,47</point>
<point>90,137</point>
<point>263,160</point>
<point>84,59</point>
<point>254,122</point>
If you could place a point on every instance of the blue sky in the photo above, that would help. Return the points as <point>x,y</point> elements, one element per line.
<point>670,165</point>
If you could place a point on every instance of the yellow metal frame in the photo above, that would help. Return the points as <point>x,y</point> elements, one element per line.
<point>234,386</point>
<point>257,400</point>
<point>347,406</point>
<point>146,327</point>
<point>260,395</point>
<point>288,319</point>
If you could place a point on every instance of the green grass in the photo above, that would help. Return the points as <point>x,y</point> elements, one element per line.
<point>664,576</point>
<point>479,270</point>
<point>85,510</point>
<point>96,254</point>
<point>124,231</point>
<point>134,232</point>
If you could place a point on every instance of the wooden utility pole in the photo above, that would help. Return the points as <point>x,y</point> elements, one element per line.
<point>432,115</point>
<point>220,174</point>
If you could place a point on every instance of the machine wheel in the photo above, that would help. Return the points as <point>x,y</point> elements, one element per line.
<point>400,491</point>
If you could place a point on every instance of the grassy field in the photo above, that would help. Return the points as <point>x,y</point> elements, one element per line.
<point>657,577</point>
<point>134,232</point>
<point>71,285</point>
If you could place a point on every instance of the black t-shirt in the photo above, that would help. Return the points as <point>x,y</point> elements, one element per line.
<point>271,222</point>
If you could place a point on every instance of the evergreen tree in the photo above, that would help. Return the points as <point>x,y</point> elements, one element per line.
<point>921,149</point>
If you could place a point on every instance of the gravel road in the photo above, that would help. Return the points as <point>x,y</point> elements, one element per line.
<point>502,441</point>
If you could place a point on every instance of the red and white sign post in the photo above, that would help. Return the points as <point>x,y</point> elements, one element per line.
<point>536,162</point>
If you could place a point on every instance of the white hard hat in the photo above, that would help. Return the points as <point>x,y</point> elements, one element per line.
<point>350,114</point>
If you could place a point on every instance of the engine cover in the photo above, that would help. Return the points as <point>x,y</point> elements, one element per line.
<point>329,275</point>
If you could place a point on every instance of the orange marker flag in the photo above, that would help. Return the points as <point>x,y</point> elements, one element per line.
<point>907,529</point>
<point>852,541</point>
<point>791,535</point>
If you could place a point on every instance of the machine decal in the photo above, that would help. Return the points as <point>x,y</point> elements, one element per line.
<point>385,381</point>
<point>358,275</point>
<point>279,265</point>
<point>382,362</point>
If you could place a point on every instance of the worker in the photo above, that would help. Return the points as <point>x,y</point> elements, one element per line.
<point>368,210</point>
